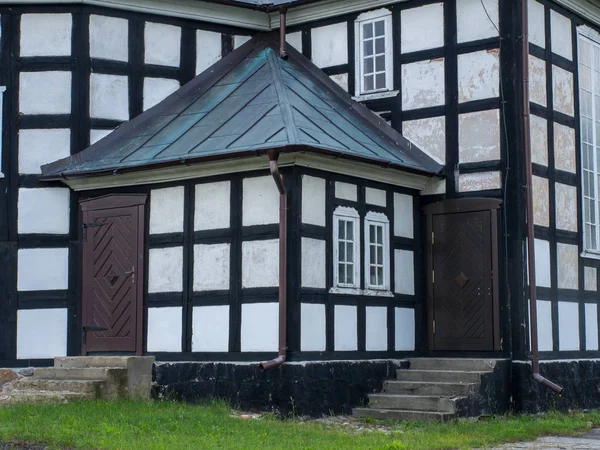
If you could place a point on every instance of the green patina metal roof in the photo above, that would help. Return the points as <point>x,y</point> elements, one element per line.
<point>249,103</point>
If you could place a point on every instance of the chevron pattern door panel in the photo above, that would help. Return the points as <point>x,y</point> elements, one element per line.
<point>462,288</point>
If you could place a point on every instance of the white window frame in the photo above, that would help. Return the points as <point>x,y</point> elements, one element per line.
<point>377,219</point>
<point>370,17</point>
<point>351,215</point>
<point>593,38</point>
<point>2,90</point>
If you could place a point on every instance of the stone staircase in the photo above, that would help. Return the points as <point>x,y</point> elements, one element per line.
<point>441,389</point>
<point>84,378</point>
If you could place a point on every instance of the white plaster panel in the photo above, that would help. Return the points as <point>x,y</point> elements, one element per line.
<point>423,84</point>
<point>238,41</point>
<point>568,266</point>
<point>375,197</point>
<point>537,80</point>
<point>544,318</point>
<point>164,329</point>
<point>260,263</point>
<point>166,210</point>
<point>590,279</point>
<point>333,45</point>
<point>109,96</point>
<point>566,207</point>
<point>541,201</point>
<point>429,135</point>
<point>212,209</point>
<point>109,38</point>
<point>210,329</point>
<point>96,135</point>
<point>483,181</point>
<point>539,140</point>
<point>208,49</point>
<point>295,40</point>
<point>341,79</point>
<point>542,262</point>
<point>157,89</point>
<point>562,91</point>
<point>560,34</point>
<point>376,328</point>
<point>404,272</point>
<point>564,148</point>
<point>403,215</point>
<point>46,34</point>
<point>568,326</point>
<point>162,44</point>
<point>405,329</point>
<point>346,191</point>
<point>434,187</point>
<point>165,270</point>
<point>312,327</point>
<point>345,328</point>
<point>537,23</point>
<point>591,326</point>
<point>45,93</point>
<point>44,210</point>
<point>260,327</point>
<point>43,269</point>
<point>211,267</point>
<point>478,75</point>
<point>422,28</point>
<point>39,147</point>
<point>313,200</point>
<point>313,263</point>
<point>475,20</point>
<point>41,333</point>
<point>260,204</point>
<point>479,136</point>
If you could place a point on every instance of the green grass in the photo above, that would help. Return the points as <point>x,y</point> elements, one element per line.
<point>169,425</point>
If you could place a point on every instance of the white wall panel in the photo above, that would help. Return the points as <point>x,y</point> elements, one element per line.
<point>208,49</point>
<point>403,215</point>
<point>537,80</point>
<point>342,80</point>
<point>45,93</point>
<point>476,19</point>
<point>478,75</point>
<point>333,45</point>
<point>96,135</point>
<point>41,333</point>
<point>165,270</point>
<point>44,210</point>
<point>162,44</point>
<point>542,263</point>
<point>544,317</point>
<point>482,181</point>
<point>564,148</point>
<point>211,267</point>
<point>312,327</point>
<point>313,200</point>
<point>404,272</point>
<point>590,277</point>
<point>375,197</point>
<point>429,135</point>
<point>109,96</point>
<point>568,326</point>
<point>39,147</point>
<point>166,210</point>
<point>260,327</point>
<point>345,328</point>
<point>346,191</point>
<point>591,326</point>
<point>238,41</point>
<point>260,204</point>
<point>313,263</point>
<point>562,91</point>
<point>213,208</point>
<point>539,140</point>
<point>109,38</point>
<point>157,89</point>
<point>423,84</point>
<point>260,263</point>
<point>422,28</point>
<point>43,269</point>
<point>376,328</point>
<point>537,24</point>
<point>46,34</point>
<point>560,35</point>
<point>567,260</point>
<point>295,40</point>
<point>405,329</point>
<point>164,329</point>
<point>479,136</point>
<point>210,329</point>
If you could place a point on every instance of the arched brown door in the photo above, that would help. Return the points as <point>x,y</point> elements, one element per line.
<point>113,259</point>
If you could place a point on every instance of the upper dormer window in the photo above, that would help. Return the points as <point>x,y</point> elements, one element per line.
<point>374,52</point>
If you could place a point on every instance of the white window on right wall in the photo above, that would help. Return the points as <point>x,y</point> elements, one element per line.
<point>377,252</point>
<point>374,52</point>
<point>346,249</point>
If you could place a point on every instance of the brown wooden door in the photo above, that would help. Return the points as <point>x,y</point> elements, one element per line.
<point>113,252</point>
<point>463,310</point>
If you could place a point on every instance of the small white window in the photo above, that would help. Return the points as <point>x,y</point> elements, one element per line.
<point>346,250</point>
<point>374,52</point>
<point>377,256</point>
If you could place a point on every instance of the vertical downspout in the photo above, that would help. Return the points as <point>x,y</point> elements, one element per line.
<point>535,363</point>
<point>283,208</point>
<point>282,33</point>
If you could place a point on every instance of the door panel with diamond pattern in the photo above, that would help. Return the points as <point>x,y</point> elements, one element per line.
<point>112,254</point>
<point>462,289</point>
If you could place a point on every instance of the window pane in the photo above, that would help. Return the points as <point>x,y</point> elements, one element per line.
<point>349,274</point>
<point>380,63</point>
<point>341,229</point>
<point>380,256</point>
<point>372,254</point>
<point>380,276</point>
<point>342,273</point>
<point>380,45</point>
<point>368,65</point>
<point>371,233</point>
<point>373,276</point>
<point>350,252</point>
<point>367,30</point>
<point>380,81</point>
<point>350,230</point>
<point>380,28</point>
<point>342,251</point>
<point>368,48</point>
<point>380,235</point>
<point>369,83</point>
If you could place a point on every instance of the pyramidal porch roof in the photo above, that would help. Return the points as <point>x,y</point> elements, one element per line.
<point>249,103</point>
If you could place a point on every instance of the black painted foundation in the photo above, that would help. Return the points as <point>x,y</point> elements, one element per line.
<point>311,388</point>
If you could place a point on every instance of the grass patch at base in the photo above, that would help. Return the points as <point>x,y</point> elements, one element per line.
<point>170,425</point>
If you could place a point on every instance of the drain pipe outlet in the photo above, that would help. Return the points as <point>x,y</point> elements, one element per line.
<point>283,209</point>
<point>535,362</point>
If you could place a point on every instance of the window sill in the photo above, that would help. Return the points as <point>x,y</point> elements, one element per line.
<point>590,254</point>
<point>357,291</point>
<point>375,96</point>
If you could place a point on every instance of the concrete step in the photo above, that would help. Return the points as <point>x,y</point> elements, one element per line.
<point>92,387</point>
<point>89,373</point>
<point>412,403</point>
<point>18,397</point>
<point>469,364</point>
<point>397,414</point>
<point>77,362</point>
<point>455,376</point>
<point>443,389</point>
